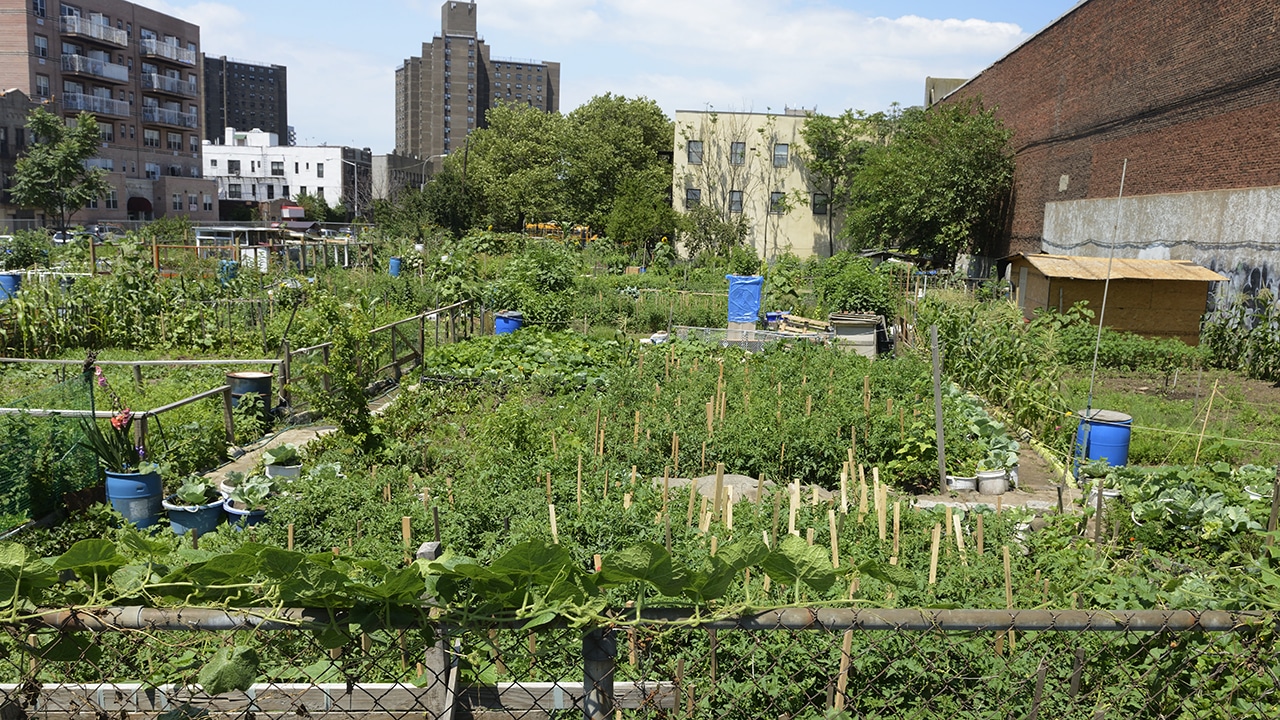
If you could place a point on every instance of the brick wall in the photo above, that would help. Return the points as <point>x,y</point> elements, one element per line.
<point>1186,90</point>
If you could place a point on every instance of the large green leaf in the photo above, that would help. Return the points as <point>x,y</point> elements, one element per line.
<point>232,668</point>
<point>892,574</point>
<point>647,562</point>
<point>797,561</point>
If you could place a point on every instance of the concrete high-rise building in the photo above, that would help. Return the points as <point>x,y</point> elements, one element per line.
<point>137,71</point>
<point>443,94</point>
<point>245,95</point>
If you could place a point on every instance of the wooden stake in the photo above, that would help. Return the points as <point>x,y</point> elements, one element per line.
<point>844,489</point>
<point>703,469</point>
<point>809,536</point>
<point>597,435</point>
<point>760,488</point>
<point>703,514</point>
<point>555,534</point>
<point>666,487</point>
<point>866,394</point>
<point>933,555</point>
<point>793,507</point>
<point>948,511</point>
<point>635,434</point>
<point>978,534</point>
<point>862,495</point>
<point>289,542</point>
<point>406,534</point>
<point>555,452</point>
<point>964,560</point>
<point>1208,410</point>
<point>835,539</point>
<point>633,476</point>
<point>842,680</point>
<point>714,544</point>
<point>579,483</point>
<point>549,498</point>
<point>1008,594</point>
<point>693,492</point>
<point>626,501</point>
<point>808,406</point>
<point>719,489</point>
<point>710,418</point>
<point>882,511</point>
<point>897,508</point>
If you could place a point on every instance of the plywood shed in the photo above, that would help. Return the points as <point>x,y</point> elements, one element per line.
<point>1155,298</point>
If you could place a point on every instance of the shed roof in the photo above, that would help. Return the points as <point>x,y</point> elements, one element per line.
<point>1095,268</point>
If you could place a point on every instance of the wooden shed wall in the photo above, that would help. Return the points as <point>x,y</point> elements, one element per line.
<point>1154,308</point>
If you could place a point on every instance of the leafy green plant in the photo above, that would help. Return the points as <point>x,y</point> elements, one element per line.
<point>252,492</point>
<point>195,490</point>
<point>284,454</point>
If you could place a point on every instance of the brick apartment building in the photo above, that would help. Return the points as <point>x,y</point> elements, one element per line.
<point>245,95</point>
<point>137,71</point>
<point>442,95</point>
<point>1187,92</point>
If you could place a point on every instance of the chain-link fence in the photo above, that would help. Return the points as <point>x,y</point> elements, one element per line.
<point>789,663</point>
<point>41,457</point>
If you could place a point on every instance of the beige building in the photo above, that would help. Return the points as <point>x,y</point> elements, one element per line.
<point>138,72</point>
<point>750,165</point>
<point>442,95</point>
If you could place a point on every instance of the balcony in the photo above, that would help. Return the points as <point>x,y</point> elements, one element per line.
<point>95,104</point>
<point>171,85</point>
<point>97,68</point>
<point>154,47</point>
<point>164,116</point>
<point>85,27</point>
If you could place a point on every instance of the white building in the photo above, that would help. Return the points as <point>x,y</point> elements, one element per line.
<point>253,167</point>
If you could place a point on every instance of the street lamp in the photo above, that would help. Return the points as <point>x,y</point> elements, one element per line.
<point>425,163</point>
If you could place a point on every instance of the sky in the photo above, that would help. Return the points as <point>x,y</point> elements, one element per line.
<point>746,55</point>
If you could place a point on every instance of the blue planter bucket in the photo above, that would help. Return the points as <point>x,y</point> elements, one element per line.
<point>136,496</point>
<point>243,518</point>
<point>9,284</point>
<point>200,519</point>
<point>1104,434</point>
<point>393,267</point>
<point>505,323</point>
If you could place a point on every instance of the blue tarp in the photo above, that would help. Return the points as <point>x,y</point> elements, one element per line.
<point>744,297</point>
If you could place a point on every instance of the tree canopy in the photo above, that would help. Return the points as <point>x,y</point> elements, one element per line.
<point>936,186</point>
<point>52,175</point>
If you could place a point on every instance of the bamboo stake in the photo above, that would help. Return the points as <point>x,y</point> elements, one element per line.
<point>882,510</point>
<point>549,498</point>
<point>964,560</point>
<point>579,483</point>
<point>1008,595</point>
<point>555,452</point>
<point>710,418</point>
<point>1208,410</point>
<point>793,507</point>
<point>842,680</point>
<point>933,555</point>
<point>666,487</point>
<point>626,501</point>
<point>808,406</point>
<point>555,534</point>
<point>862,495</point>
<point>289,542</point>
<point>948,512</point>
<point>633,476</point>
<point>597,435</point>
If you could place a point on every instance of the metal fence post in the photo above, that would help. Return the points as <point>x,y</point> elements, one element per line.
<point>284,371</point>
<point>228,419</point>
<point>599,648</point>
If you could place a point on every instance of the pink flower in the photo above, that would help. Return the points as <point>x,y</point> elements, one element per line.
<point>120,421</point>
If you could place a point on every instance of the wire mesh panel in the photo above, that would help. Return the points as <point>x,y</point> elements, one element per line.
<point>792,664</point>
<point>41,458</point>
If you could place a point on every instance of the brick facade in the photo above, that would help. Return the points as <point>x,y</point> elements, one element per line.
<point>1187,90</point>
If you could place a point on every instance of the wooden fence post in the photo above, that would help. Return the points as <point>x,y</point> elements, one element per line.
<point>228,419</point>
<point>285,378</point>
<point>422,337</point>
<point>324,380</point>
<point>937,409</point>
<point>140,431</point>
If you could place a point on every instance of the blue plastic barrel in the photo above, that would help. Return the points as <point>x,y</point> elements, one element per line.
<point>9,284</point>
<point>258,383</point>
<point>394,267</point>
<point>744,297</point>
<point>136,496</point>
<point>1104,435</point>
<point>505,323</point>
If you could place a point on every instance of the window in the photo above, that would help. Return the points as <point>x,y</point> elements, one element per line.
<point>19,138</point>
<point>174,141</point>
<point>42,86</point>
<point>277,167</point>
<point>177,202</point>
<point>107,132</point>
<point>208,203</point>
<point>4,142</point>
<point>776,203</point>
<point>152,171</point>
<point>295,168</point>
<point>112,201</point>
<point>821,204</point>
<point>695,152</point>
<point>92,204</point>
<point>150,138</point>
<point>692,197</point>
<point>233,167</point>
<point>737,153</point>
<point>320,170</point>
<point>213,162</point>
<point>38,8</point>
<point>304,189</point>
<point>191,203</point>
<point>233,191</point>
<point>271,192</point>
<point>735,201</point>
<point>320,192</point>
<point>42,46</point>
<point>69,10</point>
<point>780,152</point>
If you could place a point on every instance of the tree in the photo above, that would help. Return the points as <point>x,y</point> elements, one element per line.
<point>641,213</point>
<point>612,143</point>
<point>833,154</point>
<point>516,165</point>
<point>52,175</point>
<point>937,186</point>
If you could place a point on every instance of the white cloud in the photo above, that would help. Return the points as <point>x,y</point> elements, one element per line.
<point>745,54</point>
